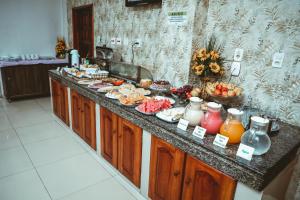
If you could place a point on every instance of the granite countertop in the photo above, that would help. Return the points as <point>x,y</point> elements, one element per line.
<point>32,62</point>
<point>257,173</point>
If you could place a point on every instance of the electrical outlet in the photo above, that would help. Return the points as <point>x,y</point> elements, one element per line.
<point>277,60</point>
<point>118,41</point>
<point>138,43</point>
<point>235,68</point>
<point>113,41</point>
<point>238,54</point>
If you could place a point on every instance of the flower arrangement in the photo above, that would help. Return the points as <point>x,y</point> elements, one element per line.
<point>60,47</point>
<point>208,61</point>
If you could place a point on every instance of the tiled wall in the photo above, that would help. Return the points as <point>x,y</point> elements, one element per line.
<point>260,27</point>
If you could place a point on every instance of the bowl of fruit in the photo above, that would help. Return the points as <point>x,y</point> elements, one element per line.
<point>182,93</point>
<point>223,91</point>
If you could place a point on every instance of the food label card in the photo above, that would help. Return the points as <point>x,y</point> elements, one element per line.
<point>245,152</point>
<point>221,140</point>
<point>199,132</point>
<point>183,124</point>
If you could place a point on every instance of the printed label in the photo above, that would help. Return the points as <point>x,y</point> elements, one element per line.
<point>221,141</point>
<point>199,132</point>
<point>183,124</point>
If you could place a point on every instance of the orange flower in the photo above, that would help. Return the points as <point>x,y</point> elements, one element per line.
<point>214,55</point>
<point>198,69</point>
<point>202,54</point>
<point>195,56</point>
<point>214,67</point>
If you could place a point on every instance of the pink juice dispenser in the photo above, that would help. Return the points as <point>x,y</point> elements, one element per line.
<point>212,119</point>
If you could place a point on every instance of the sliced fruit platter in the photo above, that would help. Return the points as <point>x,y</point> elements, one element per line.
<point>152,106</point>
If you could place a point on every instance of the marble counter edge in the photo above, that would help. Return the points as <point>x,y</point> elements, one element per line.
<point>250,177</point>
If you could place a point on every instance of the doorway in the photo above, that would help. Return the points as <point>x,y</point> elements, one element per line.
<point>83,30</point>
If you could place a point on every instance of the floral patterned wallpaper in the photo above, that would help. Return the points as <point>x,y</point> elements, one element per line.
<point>266,28</point>
<point>166,48</point>
<point>261,28</point>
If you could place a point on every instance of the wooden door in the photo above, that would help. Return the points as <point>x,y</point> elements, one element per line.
<point>109,137</point>
<point>76,112</point>
<point>129,150</point>
<point>55,97</point>
<point>202,182</point>
<point>83,30</point>
<point>89,122</point>
<point>64,105</point>
<point>166,171</point>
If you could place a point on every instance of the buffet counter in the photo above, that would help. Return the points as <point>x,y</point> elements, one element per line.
<point>256,174</point>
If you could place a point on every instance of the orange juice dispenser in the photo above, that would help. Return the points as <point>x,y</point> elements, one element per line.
<point>233,127</point>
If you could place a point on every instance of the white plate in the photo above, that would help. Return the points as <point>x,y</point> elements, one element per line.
<point>145,113</point>
<point>169,114</point>
<point>107,89</point>
<point>172,101</point>
<point>88,82</point>
<point>111,96</point>
<point>99,85</point>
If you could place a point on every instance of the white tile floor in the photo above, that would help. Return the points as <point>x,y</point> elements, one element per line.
<point>40,160</point>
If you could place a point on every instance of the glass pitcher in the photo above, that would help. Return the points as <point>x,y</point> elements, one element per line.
<point>233,127</point>
<point>193,112</point>
<point>257,136</point>
<point>212,119</point>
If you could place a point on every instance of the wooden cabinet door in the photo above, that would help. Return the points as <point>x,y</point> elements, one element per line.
<point>202,182</point>
<point>55,97</point>
<point>109,137</point>
<point>89,122</point>
<point>64,105</point>
<point>76,112</point>
<point>166,171</point>
<point>129,150</point>
<point>7,81</point>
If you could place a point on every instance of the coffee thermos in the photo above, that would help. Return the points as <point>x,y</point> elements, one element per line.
<point>75,57</point>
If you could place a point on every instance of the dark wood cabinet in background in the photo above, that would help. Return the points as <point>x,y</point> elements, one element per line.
<point>84,118</point>
<point>26,81</point>
<point>173,178</point>
<point>55,97</point>
<point>166,171</point>
<point>60,101</point>
<point>121,144</point>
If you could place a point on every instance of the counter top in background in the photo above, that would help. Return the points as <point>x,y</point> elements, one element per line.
<point>32,62</point>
